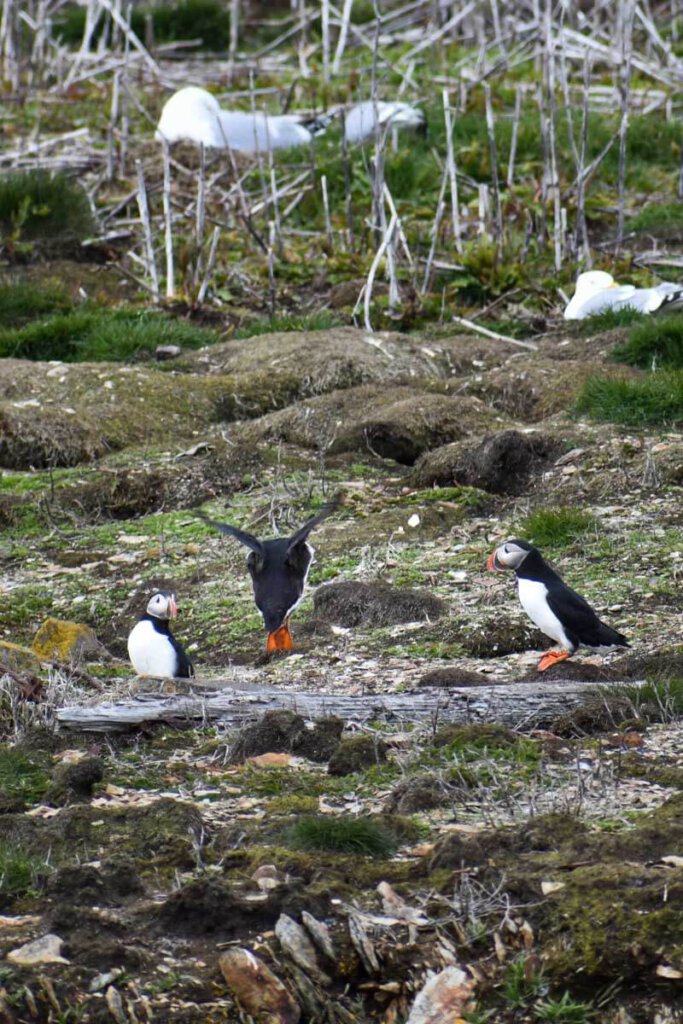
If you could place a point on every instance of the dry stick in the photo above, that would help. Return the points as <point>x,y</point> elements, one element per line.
<point>210,263</point>
<point>143,206</point>
<point>373,270</point>
<point>326,208</point>
<point>552,139</point>
<point>492,334</point>
<point>325,22</point>
<point>626,14</point>
<point>201,213</point>
<point>581,222</point>
<point>348,198</point>
<point>399,228</point>
<point>540,99</point>
<point>170,282</point>
<point>113,118</point>
<point>452,174</point>
<point>343,34</point>
<point>303,20</point>
<point>513,140</point>
<point>271,267</point>
<point>234,30</point>
<point>491,129</point>
<point>435,230</point>
<point>130,36</point>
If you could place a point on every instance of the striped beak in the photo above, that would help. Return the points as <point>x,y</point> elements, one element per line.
<point>493,565</point>
<point>172,607</point>
<point>280,639</point>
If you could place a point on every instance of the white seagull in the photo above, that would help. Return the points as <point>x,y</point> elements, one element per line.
<point>596,291</point>
<point>360,121</point>
<point>194,115</point>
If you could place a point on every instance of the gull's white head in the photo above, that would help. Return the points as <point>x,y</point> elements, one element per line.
<point>592,282</point>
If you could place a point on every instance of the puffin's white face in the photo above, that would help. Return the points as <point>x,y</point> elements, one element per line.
<point>593,281</point>
<point>508,556</point>
<point>162,606</point>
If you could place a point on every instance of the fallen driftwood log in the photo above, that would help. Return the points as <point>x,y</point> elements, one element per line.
<point>519,705</point>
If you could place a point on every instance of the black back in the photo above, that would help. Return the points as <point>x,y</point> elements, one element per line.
<point>184,667</point>
<point>580,622</point>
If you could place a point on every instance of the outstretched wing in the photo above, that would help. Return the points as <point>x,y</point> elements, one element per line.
<point>242,536</point>
<point>302,533</point>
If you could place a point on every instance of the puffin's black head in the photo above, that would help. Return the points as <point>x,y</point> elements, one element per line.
<point>509,555</point>
<point>278,570</point>
<point>162,605</point>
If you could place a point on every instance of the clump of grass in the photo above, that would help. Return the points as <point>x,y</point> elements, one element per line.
<point>557,527</point>
<point>653,342</point>
<point>653,400</point>
<point>563,1011</point>
<point>609,319</point>
<point>37,204</point>
<point>22,776</point>
<point>90,335</point>
<point>18,870</point>
<point>660,215</point>
<point>22,302</point>
<point>342,835</point>
<point>321,320</point>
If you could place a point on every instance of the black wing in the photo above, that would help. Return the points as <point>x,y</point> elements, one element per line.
<point>581,624</point>
<point>242,536</point>
<point>185,668</point>
<point>302,533</point>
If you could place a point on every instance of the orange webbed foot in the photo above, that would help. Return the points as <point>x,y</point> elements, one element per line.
<point>551,658</point>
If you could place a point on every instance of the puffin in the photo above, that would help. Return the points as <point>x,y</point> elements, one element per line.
<point>152,648</point>
<point>555,608</point>
<point>279,570</point>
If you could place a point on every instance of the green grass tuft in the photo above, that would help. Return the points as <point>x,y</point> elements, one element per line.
<point>652,343</point>
<point>653,400</point>
<point>556,527</point>
<point>654,216</point>
<point>94,335</point>
<point>321,320</point>
<point>22,302</point>
<point>23,776</point>
<point>609,319</point>
<point>40,205</point>
<point>342,835</point>
<point>563,1011</point>
<point>18,870</point>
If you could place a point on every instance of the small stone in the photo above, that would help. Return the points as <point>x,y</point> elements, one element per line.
<point>45,950</point>
<point>258,991</point>
<point>550,887</point>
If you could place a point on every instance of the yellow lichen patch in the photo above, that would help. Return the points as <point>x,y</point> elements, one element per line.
<point>65,641</point>
<point>18,658</point>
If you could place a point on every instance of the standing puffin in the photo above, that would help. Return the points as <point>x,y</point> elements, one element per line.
<point>555,608</point>
<point>279,569</point>
<point>152,648</point>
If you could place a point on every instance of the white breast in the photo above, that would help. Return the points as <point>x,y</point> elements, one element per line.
<point>532,595</point>
<point>151,653</point>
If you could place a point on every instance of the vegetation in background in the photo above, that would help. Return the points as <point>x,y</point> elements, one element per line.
<point>653,342</point>
<point>38,204</point>
<point>655,399</point>
<point>112,335</point>
<point>18,870</point>
<point>205,20</point>
<point>609,319</point>
<point>557,527</point>
<point>21,302</point>
<point>320,320</point>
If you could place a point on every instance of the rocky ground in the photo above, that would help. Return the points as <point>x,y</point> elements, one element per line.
<point>353,857</point>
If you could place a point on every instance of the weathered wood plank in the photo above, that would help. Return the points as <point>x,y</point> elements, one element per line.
<point>521,705</point>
